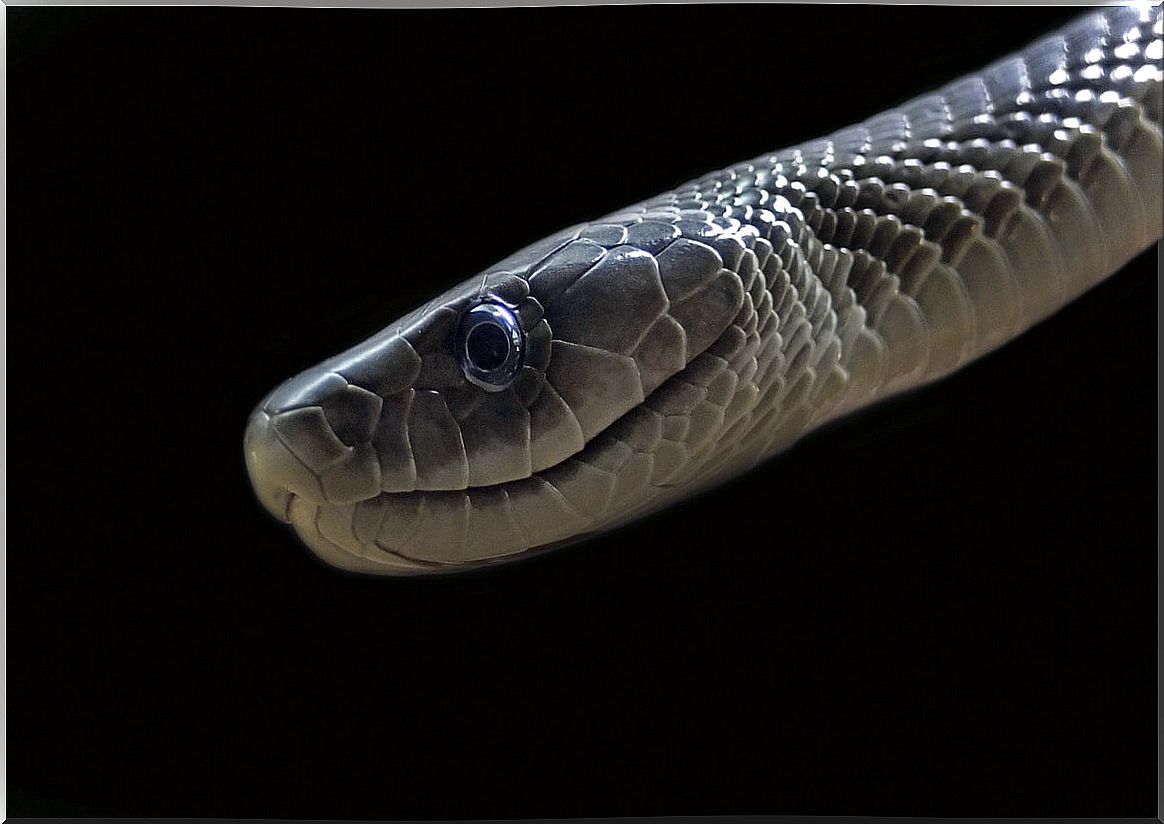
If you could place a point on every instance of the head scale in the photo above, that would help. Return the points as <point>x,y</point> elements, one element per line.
<point>526,406</point>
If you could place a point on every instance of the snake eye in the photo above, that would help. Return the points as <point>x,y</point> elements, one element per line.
<point>490,343</point>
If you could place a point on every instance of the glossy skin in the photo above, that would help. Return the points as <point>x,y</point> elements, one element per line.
<point>677,342</point>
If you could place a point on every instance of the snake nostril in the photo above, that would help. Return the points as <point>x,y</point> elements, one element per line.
<point>353,414</point>
<point>306,433</point>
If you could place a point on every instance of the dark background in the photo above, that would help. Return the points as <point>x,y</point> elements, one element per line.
<point>944,606</point>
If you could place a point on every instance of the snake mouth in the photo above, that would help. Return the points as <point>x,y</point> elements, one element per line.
<point>424,531</point>
<point>281,507</point>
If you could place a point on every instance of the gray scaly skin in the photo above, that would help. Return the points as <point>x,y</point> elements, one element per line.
<point>677,342</point>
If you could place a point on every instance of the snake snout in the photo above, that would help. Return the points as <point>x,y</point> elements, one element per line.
<point>273,469</point>
<point>311,438</point>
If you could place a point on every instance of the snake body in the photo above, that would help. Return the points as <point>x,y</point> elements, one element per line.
<point>677,342</point>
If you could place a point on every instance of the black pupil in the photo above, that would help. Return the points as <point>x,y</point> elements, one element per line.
<point>487,346</point>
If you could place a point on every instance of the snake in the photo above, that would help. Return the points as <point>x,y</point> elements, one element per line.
<point>621,365</point>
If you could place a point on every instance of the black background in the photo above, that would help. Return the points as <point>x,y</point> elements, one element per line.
<point>941,607</point>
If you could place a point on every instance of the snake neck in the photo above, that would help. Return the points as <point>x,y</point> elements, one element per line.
<point>903,247</point>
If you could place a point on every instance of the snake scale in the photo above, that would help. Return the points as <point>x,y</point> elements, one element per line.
<point>621,365</point>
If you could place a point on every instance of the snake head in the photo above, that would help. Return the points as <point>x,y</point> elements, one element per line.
<point>549,397</point>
